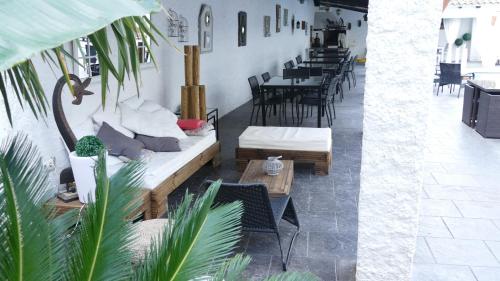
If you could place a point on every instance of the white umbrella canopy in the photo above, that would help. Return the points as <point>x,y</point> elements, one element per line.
<point>32,26</point>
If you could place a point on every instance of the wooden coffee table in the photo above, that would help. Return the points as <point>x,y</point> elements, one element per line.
<point>276,185</point>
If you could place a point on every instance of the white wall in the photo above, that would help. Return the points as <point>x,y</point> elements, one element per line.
<point>356,37</point>
<point>400,64</point>
<point>224,71</point>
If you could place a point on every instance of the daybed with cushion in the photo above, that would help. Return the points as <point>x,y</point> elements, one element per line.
<point>307,145</point>
<point>165,171</point>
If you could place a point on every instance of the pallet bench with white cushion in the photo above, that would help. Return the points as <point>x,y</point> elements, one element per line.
<point>303,145</point>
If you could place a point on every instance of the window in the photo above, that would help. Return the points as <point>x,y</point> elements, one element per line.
<point>144,55</point>
<point>87,57</point>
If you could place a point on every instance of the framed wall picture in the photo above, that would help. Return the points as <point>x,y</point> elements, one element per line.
<point>278,18</point>
<point>297,26</point>
<point>267,26</point>
<point>242,29</point>
<point>285,17</point>
<point>303,25</point>
<point>205,29</point>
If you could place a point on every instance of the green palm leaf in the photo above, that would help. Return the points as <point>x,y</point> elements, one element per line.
<point>53,23</point>
<point>232,269</point>
<point>26,240</point>
<point>100,247</point>
<point>198,242</point>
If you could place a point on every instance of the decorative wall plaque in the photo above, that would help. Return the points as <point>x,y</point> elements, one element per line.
<point>278,18</point>
<point>205,29</point>
<point>285,17</point>
<point>183,29</point>
<point>267,26</point>
<point>242,29</point>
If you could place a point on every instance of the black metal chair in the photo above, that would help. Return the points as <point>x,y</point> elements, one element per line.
<point>256,99</point>
<point>288,65</point>
<point>316,71</point>
<point>328,89</point>
<point>261,213</point>
<point>298,59</point>
<point>350,70</point>
<point>450,75</point>
<point>266,76</point>
<point>301,72</point>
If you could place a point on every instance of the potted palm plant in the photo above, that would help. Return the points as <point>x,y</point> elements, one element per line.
<point>83,161</point>
<point>196,244</point>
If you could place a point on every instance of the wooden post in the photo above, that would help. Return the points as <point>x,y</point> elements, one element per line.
<point>194,102</point>
<point>196,65</point>
<point>188,65</point>
<point>184,102</point>
<point>203,103</point>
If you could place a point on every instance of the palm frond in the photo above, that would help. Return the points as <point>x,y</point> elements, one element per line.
<point>26,251</point>
<point>53,23</point>
<point>198,241</point>
<point>232,269</point>
<point>100,246</point>
<point>293,276</point>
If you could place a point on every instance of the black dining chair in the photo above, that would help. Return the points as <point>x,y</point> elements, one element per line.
<point>450,75</point>
<point>256,100</point>
<point>316,71</point>
<point>298,59</point>
<point>260,212</point>
<point>350,70</point>
<point>328,89</point>
<point>266,76</point>
<point>288,65</point>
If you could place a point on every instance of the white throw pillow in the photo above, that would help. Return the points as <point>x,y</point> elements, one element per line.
<point>150,106</point>
<point>155,124</point>
<point>111,116</point>
<point>134,102</point>
<point>86,128</point>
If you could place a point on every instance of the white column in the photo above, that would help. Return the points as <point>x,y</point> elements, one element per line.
<point>402,41</point>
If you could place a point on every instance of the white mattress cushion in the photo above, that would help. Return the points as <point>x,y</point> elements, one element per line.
<point>161,165</point>
<point>164,164</point>
<point>287,138</point>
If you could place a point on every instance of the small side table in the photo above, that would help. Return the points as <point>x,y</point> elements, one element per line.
<point>278,185</point>
<point>144,210</point>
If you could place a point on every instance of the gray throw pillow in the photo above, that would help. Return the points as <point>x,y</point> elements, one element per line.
<point>119,144</point>
<point>159,144</point>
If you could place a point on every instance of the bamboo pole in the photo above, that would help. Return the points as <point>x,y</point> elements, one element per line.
<point>194,102</point>
<point>203,103</point>
<point>188,65</point>
<point>196,65</point>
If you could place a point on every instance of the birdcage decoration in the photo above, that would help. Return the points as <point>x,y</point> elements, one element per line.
<point>183,29</point>
<point>173,24</point>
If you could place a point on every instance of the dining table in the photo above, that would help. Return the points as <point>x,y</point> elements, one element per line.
<point>331,68</point>
<point>311,84</point>
<point>323,61</point>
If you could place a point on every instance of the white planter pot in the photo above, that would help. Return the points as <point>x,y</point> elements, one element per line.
<point>83,171</point>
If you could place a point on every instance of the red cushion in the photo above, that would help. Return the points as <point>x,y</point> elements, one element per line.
<point>190,124</point>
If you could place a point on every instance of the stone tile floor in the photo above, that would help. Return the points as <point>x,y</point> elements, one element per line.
<point>326,205</point>
<point>459,231</point>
